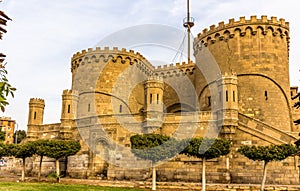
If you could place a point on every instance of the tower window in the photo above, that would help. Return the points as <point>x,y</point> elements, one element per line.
<point>69,108</point>
<point>226,96</point>
<point>233,96</point>
<point>157,99</point>
<point>34,116</point>
<point>266,95</point>
<point>150,98</point>
<point>209,100</point>
<point>89,107</point>
<point>121,109</point>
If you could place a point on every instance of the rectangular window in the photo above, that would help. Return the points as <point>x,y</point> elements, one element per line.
<point>34,116</point>
<point>69,108</point>
<point>89,107</point>
<point>266,95</point>
<point>226,96</point>
<point>233,96</point>
<point>209,100</point>
<point>150,98</point>
<point>120,109</point>
<point>157,99</point>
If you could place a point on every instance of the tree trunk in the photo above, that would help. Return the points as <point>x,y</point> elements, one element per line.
<point>23,170</point>
<point>40,168</point>
<point>57,170</point>
<point>203,175</point>
<point>264,177</point>
<point>153,177</point>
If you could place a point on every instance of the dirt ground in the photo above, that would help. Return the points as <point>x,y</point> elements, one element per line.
<point>7,177</point>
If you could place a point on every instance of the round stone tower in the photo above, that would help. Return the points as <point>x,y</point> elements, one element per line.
<point>154,107</point>
<point>35,117</point>
<point>105,77</point>
<point>257,50</point>
<point>68,113</point>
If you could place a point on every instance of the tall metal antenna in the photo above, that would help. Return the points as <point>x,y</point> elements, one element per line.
<point>188,23</point>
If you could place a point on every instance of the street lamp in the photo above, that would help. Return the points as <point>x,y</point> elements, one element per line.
<point>16,137</point>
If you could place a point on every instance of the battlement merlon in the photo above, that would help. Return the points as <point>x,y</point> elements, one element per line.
<point>114,54</point>
<point>242,24</point>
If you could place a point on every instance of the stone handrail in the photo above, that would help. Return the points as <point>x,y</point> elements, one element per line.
<point>262,129</point>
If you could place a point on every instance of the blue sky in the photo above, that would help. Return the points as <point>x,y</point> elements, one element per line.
<point>44,35</point>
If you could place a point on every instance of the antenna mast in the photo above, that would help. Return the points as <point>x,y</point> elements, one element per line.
<point>188,23</point>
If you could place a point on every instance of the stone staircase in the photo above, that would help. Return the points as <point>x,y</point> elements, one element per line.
<point>264,131</point>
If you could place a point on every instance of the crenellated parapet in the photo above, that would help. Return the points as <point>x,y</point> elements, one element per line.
<point>69,94</point>
<point>178,69</point>
<point>254,25</point>
<point>121,56</point>
<point>154,82</point>
<point>37,102</point>
<point>228,78</point>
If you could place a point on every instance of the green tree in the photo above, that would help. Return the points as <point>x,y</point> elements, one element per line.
<point>268,154</point>
<point>61,148</point>
<point>5,88</point>
<point>23,151</point>
<point>3,150</point>
<point>9,150</point>
<point>42,147</point>
<point>154,147</point>
<point>297,106</point>
<point>2,136</point>
<point>205,149</point>
<point>20,135</point>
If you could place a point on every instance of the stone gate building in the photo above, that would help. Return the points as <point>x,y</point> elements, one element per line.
<point>238,88</point>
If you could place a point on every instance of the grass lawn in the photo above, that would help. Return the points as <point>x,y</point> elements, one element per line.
<point>18,186</point>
